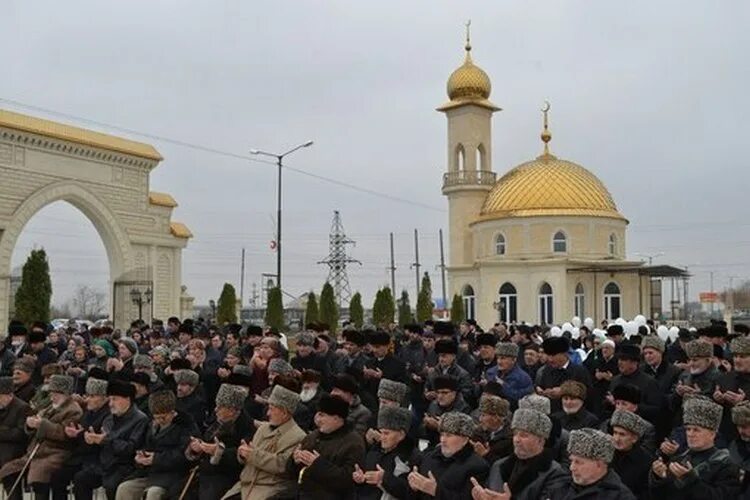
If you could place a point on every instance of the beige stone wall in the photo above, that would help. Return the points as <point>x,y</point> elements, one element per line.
<point>469,126</point>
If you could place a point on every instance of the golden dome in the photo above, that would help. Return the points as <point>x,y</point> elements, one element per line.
<point>469,81</point>
<point>549,186</point>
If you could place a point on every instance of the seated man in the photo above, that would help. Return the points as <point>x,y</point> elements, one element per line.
<point>590,452</point>
<point>390,393</point>
<point>530,471</point>
<point>573,414</point>
<point>13,413</point>
<point>324,462</point>
<point>23,387</point>
<point>703,471</point>
<point>346,388</point>
<point>631,462</point>
<point>447,399</point>
<point>493,440</point>
<point>191,401</point>
<point>161,466</point>
<point>515,381</point>
<point>445,470</point>
<point>739,449</point>
<point>47,429</point>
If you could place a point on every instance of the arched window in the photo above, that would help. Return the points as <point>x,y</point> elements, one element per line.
<point>579,301</point>
<point>559,242</point>
<point>612,301</point>
<point>481,158</point>
<point>507,305</point>
<point>500,245</point>
<point>460,157</point>
<point>546,304</point>
<point>469,302</point>
<point>612,245</point>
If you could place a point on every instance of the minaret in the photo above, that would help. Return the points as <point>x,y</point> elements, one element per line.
<point>469,177</point>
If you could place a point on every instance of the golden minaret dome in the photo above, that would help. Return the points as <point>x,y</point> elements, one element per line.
<point>469,81</point>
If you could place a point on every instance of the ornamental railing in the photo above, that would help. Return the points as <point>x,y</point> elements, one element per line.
<point>469,177</point>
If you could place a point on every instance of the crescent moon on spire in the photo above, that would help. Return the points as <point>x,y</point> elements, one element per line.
<point>546,106</point>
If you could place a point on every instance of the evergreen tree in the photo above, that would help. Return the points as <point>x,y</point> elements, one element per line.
<point>275,309</point>
<point>389,307</point>
<point>34,295</point>
<point>424,300</point>
<point>377,308</point>
<point>356,312</point>
<point>404,309</point>
<point>329,311</point>
<point>457,309</point>
<point>226,308</point>
<point>311,313</point>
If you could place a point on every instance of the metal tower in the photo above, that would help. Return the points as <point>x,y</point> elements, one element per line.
<point>338,259</point>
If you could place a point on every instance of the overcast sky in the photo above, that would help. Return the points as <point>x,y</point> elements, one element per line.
<point>649,96</point>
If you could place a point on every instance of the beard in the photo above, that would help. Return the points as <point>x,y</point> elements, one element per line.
<point>307,395</point>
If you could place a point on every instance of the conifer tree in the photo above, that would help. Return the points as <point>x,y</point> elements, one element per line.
<point>311,312</point>
<point>35,292</point>
<point>356,312</point>
<point>226,308</point>
<point>275,309</point>
<point>328,311</point>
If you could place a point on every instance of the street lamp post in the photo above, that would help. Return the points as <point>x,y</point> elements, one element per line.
<point>139,298</point>
<point>279,161</point>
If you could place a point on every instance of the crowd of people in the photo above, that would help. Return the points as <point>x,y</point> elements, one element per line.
<point>191,410</point>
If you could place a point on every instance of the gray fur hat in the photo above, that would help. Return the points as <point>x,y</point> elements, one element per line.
<point>243,370</point>
<point>186,377</point>
<point>628,421</point>
<point>393,391</point>
<point>507,349</point>
<point>306,339</point>
<point>96,387</point>
<point>494,405</point>
<point>536,402</point>
<point>699,349</point>
<point>61,383</point>
<point>533,421</point>
<point>740,345</point>
<point>143,361</point>
<point>702,412</point>
<point>740,413</point>
<point>457,423</point>
<point>162,402</point>
<point>278,365</point>
<point>231,396</point>
<point>653,342</point>
<point>6,385</point>
<point>591,444</point>
<point>394,418</point>
<point>284,398</point>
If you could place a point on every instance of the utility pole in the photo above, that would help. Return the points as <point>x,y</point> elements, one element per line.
<point>393,269</point>
<point>338,259</point>
<point>416,264</point>
<point>242,279</point>
<point>442,271</point>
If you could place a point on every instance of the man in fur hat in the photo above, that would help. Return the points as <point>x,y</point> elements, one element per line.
<point>739,449</point>
<point>515,381</point>
<point>310,395</point>
<point>447,349</point>
<point>445,330</point>
<point>734,386</point>
<point>41,352</point>
<point>446,469</point>
<point>353,361</point>
<point>629,364</point>
<point>388,462</point>
<point>324,462</point>
<point>703,471</point>
<point>346,388</point>
<point>382,364</point>
<point>13,412</point>
<point>530,471</point>
<point>47,429</point>
<point>390,393</point>
<point>305,357</point>
<point>558,369</point>
<point>493,439</point>
<point>700,378</point>
<point>628,398</point>
<point>447,399</point>
<point>631,462</point>
<point>573,414</point>
<point>485,343</point>
<point>591,452</point>
<point>191,400</point>
<point>84,460</point>
<point>666,375</point>
<point>7,357</point>
<point>216,452</point>
<point>23,387</point>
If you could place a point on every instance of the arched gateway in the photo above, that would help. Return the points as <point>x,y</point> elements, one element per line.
<point>106,178</point>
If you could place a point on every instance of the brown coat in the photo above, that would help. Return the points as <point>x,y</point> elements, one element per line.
<point>264,474</point>
<point>55,447</point>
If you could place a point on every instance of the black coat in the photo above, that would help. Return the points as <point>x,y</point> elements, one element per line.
<point>579,420</point>
<point>7,360</point>
<point>25,392</point>
<point>651,399</point>
<point>453,474</point>
<point>610,487</point>
<point>666,376</point>
<point>194,405</point>
<point>716,478</point>
<point>125,435</point>
<point>392,368</point>
<point>13,438</point>
<point>395,485</point>
<point>633,467</point>
<point>529,479</point>
<point>593,363</point>
<point>732,381</point>
<point>87,455</point>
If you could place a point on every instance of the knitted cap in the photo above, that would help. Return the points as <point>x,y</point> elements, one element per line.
<point>393,391</point>
<point>457,423</point>
<point>143,362</point>
<point>740,345</point>
<point>507,349</point>
<point>130,344</point>
<point>699,349</point>
<point>6,385</point>
<point>652,342</point>
<point>533,421</point>
<point>284,398</point>
<point>573,389</point>
<point>186,377</point>
<point>494,405</point>
<point>628,421</point>
<point>162,402</point>
<point>536,402</point>
<point>591,444</point>
<point>702,412</point>
<point>278,365</point>
<point>231,396</point>
<point>394,418</point>
<point>61,383</point>
<point>96,387</point>
<point>741,413</point>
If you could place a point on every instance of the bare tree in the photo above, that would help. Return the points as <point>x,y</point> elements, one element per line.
<point>89,302</point>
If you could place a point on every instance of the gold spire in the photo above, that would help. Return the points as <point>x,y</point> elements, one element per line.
<point>468,39</point>
<point>546,135</point>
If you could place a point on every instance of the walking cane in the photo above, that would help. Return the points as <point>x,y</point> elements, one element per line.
<point>187,484</point>
<point>23,471</point>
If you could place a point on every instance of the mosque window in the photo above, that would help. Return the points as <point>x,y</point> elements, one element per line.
<point>546,304</point>
<point>481,158</point>
<point>469,302</point>
<point>500,245</point>
<point>612,301</point>
<point>460,157</point>
<point>507,305</point>
<point>579,301</point>
<point>612,245</point>
<point>559,242</point>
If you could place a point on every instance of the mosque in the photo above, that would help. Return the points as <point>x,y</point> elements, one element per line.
<point>544,242</point>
